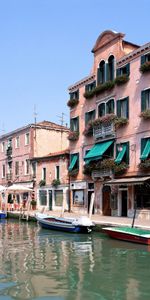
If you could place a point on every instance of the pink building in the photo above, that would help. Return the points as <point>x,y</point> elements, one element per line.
<point>52,180</point>
<point>19,147</point>
<point>110,130</point>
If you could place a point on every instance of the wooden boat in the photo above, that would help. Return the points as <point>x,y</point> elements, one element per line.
<point>77,225</point>
<point>129,234</point>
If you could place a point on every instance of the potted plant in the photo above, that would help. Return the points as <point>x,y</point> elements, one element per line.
<point>73,172</point>
<point>73,102</point>
<point>55,182</point>
<point>145,67</point>
<point>121,79</point>
<point>73,135</point>
<point>88,131</point>
<point>42,183</point>
<point>120,121</point>
<point>104,87</point>
<point>145,114</point>
<point>33,204</point>
<point>145,164</point>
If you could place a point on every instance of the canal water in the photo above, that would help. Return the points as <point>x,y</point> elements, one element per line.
<point>42,264</point>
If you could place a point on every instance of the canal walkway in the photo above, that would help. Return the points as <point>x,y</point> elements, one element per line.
<point>96,218</point>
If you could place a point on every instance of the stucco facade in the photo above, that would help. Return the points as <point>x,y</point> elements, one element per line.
<point>115,107</point>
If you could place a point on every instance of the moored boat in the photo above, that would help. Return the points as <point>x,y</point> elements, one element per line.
<point>135,235</point>
<point>77,225</point>
<point>3,214</point>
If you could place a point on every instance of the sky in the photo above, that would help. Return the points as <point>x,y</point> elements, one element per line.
<point>45,46</point>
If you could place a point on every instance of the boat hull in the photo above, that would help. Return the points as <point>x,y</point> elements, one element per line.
<point>2,215</point>
<point>129,237</point>
<point>65,224</point>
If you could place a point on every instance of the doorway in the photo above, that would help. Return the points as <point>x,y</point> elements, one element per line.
<point>106,196</point>
<point>124,196</point>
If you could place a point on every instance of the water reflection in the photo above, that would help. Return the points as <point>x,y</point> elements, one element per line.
<point>42,264</point>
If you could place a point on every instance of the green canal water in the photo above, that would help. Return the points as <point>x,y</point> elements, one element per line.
<point>42,264</point>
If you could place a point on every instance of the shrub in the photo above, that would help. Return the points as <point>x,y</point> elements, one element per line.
<point>104,87</point>
<point>120,121</point>
<point>89,94</point>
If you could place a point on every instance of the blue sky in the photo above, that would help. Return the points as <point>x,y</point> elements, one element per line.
<point>45,46</point>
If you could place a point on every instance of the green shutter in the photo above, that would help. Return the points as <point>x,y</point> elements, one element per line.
<point>143,59</point>
<point>143,143</point>
<point>128,69</point>
<point>86,118</point>
<point>143,101</point>
<point>127,113</point>
<point>118,108</point>
<point>98,76</point>
<point>71,124</point>
<point>107,78</point>
<point>120,154</point>
<point>78,94</point>
<point>127,153</point>
<point>78,124</point>
<point>118,72</point>
<point>74,158</point>
<point>146,151</point>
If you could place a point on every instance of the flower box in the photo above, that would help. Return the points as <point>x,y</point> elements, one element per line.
<point>145,67</point>
<point>104,120</point>
<point>72,103</point>
<point>55,182</point>
<point>89,94</point>
<point>42,182</point>
<point>104,87</point>
<point>120,121</point>
<point>145,164</point>
<point>73,136</point>
<point>120,169</point>
<point>145,114</point>
<point>121,79</point>
<point>73,172</point>
<point>88,131</point>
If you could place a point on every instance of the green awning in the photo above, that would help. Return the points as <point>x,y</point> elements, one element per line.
<point>97,151</point>
<point>121,154</point>
<point>73,161</point>
<point>146,150</point>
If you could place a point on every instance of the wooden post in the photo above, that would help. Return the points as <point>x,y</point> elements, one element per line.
<point>91,204</point>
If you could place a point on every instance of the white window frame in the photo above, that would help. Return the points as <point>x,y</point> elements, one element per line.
<point>3,170</point>
<point>27,139</point>
<point>27,166</point>
<point>17,142</point>
<point>3,146</point>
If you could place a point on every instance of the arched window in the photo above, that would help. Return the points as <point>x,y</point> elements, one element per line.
<point>110,68</point>
<point>101,110</point>
<point>101,73</point>
<point>110,106</point>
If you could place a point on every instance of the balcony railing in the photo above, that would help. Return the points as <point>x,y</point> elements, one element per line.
<point>9,176</point>
<point>104,130</point>
<point>9,153</point>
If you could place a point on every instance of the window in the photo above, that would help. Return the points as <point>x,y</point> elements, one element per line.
<point>3,146</point>
<point>142,193</point>
<point>91,86</point>
<point>145,100</point>
<point>125,70</point>
<point>17,142</point>
<point>9,144</point>
<point>122,153</point>
<point>44,174</point>
<point>34,169</point>
<point>123,108</point>
<point>58,198</point>
<point>57,172</point>
<point>74,95</point>
<point>43,197</point>
<point>110,68</point>
<point>17,168</point>
<point>106,108</point>
<point>145,58</point>
<point>110,107</point>
<point>89,116</point>
<point>78,197</point>
<point>74,124</point>
<point>27,164</point>
<point>145,148</point>
<point>3,171</point>
<point>74,161</point>
<point>27,139</point>
<point>101,73</point>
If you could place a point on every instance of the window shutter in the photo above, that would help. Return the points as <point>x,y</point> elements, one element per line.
<point>143,59</point>
<point>77,94</point>
<point>107,72</point>
<point>127,153</point>
<point>86,88</point>
<point>98,76</point>
<point>78,124</point>
<point>128,69</point>
<point>118,72</point>
<point>127,111</point>
<point>143,101</point>
<point>71,125</point>
<point>118,108</point>
<point>86,118</point>
<point>143,143</point>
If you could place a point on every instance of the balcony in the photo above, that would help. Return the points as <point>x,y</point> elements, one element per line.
<point>102,173</point>
<point>104,130</point>
<point>9,176</point>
